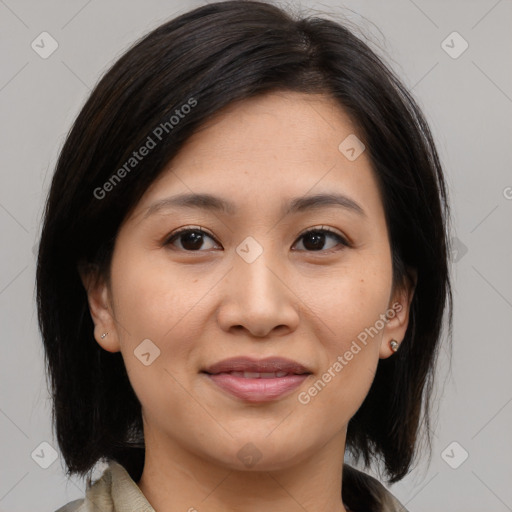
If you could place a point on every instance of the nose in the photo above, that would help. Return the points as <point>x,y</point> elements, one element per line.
<point>258,297</point>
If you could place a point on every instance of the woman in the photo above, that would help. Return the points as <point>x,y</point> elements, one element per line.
<point>242,273</point>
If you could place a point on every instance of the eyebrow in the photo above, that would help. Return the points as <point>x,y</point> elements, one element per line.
<point>210,202</point>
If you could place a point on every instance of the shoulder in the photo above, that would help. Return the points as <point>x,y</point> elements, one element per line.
<point>72,506</point>
<point>97,494</point>
<point>114,491</point>
<point>362,492</point>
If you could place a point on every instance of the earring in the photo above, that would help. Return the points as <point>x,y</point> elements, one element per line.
<point>104,334</point>
<point>394,345</point>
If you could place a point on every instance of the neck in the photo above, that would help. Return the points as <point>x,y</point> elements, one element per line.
<point>176,479</point>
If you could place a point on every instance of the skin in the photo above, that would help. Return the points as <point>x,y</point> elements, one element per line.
<point>199,307</point>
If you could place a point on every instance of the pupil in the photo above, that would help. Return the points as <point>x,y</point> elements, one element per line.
<point>194,239</point>
<point>318,240</point>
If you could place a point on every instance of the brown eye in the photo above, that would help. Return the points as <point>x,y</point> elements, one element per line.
<point>190,239</point>
<point>315,239</point>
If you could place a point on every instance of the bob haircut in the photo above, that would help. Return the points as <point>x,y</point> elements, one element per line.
<point>207,59</point>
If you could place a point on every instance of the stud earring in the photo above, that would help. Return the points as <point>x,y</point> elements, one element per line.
<point>394,345</point>
<point>104,334</point>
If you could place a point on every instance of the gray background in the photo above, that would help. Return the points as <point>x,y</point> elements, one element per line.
<point>468,102</point>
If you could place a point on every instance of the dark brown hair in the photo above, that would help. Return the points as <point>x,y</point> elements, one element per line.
<point>215,55</point>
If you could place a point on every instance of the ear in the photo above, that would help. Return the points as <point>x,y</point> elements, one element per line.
<point>398,314</point>
<point>98,296</point>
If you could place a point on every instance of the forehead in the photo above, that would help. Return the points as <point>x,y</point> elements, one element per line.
<point>262,149</point>
<point>276,125</point>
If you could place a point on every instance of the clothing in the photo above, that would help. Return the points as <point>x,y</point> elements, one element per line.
<point>115,491</point>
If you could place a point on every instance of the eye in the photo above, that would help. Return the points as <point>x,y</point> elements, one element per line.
<point>314,239</point>
<point>191,238</point>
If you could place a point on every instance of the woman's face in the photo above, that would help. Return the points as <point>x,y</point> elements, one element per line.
<point>255,284</point>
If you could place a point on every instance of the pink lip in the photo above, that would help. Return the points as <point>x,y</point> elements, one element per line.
<point>248,364</point>
<point>259,389</point>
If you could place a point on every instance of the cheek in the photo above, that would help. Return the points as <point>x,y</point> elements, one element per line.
<point>151,300</point>
<point>350,299</point>
<point>153,303</point>
<point>350,327</point>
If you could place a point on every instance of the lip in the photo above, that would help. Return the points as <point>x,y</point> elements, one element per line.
<point>249,364</point>
<point>260,389</point>
<point>257,390</point>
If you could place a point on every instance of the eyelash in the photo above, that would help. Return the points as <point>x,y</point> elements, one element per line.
<point>342,241</point>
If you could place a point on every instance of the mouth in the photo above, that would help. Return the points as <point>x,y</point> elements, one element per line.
<point>265,368</point>
<point>256,375</point>
<point>257,380</point>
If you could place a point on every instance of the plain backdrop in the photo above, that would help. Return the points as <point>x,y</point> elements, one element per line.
<point>467,98</point>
